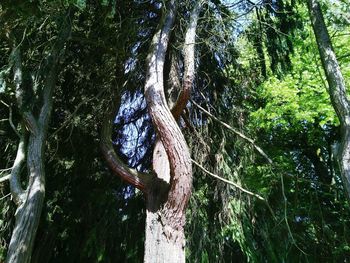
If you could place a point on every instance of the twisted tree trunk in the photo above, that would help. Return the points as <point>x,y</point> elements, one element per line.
<point>337,89</point>
<point>166,212</point>
<point>169,190</point>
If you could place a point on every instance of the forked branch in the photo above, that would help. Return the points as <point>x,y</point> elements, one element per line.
<point>243,136</point>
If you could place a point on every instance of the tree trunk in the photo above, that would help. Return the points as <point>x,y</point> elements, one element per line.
<point>166,208</point>
<point>28,213</point>
<point>30,200</point>
<point>167,192</point>
<point>159,246</point>
<point>337,89</point>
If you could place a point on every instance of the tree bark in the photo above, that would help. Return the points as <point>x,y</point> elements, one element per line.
<point>169,190</point>
<point>29,211</point>
<point>337,89</point>
<point>132,176</point>
<point>166,208</point>
<point>30,200</point>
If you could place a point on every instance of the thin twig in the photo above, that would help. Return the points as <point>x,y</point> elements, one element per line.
<point>10,118</point>
<point>11,123</point>
<point>229,182</point>
<point>5,196</point>
<point>234,131</point>
<point>236,186</point>
<point>5,169</point>
<point>286,219</point>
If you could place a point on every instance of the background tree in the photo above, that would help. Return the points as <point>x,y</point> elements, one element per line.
<point>337,88</point>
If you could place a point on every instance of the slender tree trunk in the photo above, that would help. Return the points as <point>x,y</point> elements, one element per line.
<point>337,89</point>
<point>30,200</point>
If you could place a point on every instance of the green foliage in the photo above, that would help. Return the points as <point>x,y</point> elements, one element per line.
<point>300,97</point>
<point>262,77</point>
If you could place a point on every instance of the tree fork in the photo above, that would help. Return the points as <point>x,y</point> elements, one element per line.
<point>30,200</point>
<point>165,240</point>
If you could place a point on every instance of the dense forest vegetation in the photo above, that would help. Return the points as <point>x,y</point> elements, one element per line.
<point>173,131</point>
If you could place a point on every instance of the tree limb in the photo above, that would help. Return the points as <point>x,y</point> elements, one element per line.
<point>189,61</point>
<point>234,131</point>
<point>235,185</point>
<point>5,178</point>
<point>53,62</point>
<point>161,164</point>
<point>229,182</point>
<point>119,168</point>
<point>28,117</point>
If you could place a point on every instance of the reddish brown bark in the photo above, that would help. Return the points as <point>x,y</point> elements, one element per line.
<point>169,191</point>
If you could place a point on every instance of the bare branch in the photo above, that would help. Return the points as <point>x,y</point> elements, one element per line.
<point>29,120</point>
<point>234,131</point>
<point>229,182</point>
<point>5,196</point>
<point>189,71</point>
<point>5,178</point>
<point>236,186</point>
<point>11,122</point>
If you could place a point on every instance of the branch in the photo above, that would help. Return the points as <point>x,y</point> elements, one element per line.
<point>5,178</point>
<point>189,61</point>
<point>3,197</point>
<point>10,118</point>
<point>119,168</point>
<point>236,186</point>
<point>234,131</point>
<point>161,165</point>
<point>52,62</point>
<point>229,182</point>
<point>29,120</point>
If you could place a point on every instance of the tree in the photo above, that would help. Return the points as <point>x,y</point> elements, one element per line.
<point>35,116</point>
<point>259,121</point>
<point>169,190</point>
<point>337,88</point>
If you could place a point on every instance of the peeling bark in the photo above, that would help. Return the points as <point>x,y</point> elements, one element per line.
<point>336,86</point>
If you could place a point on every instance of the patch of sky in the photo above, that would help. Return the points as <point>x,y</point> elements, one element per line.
<point>131,117</point>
